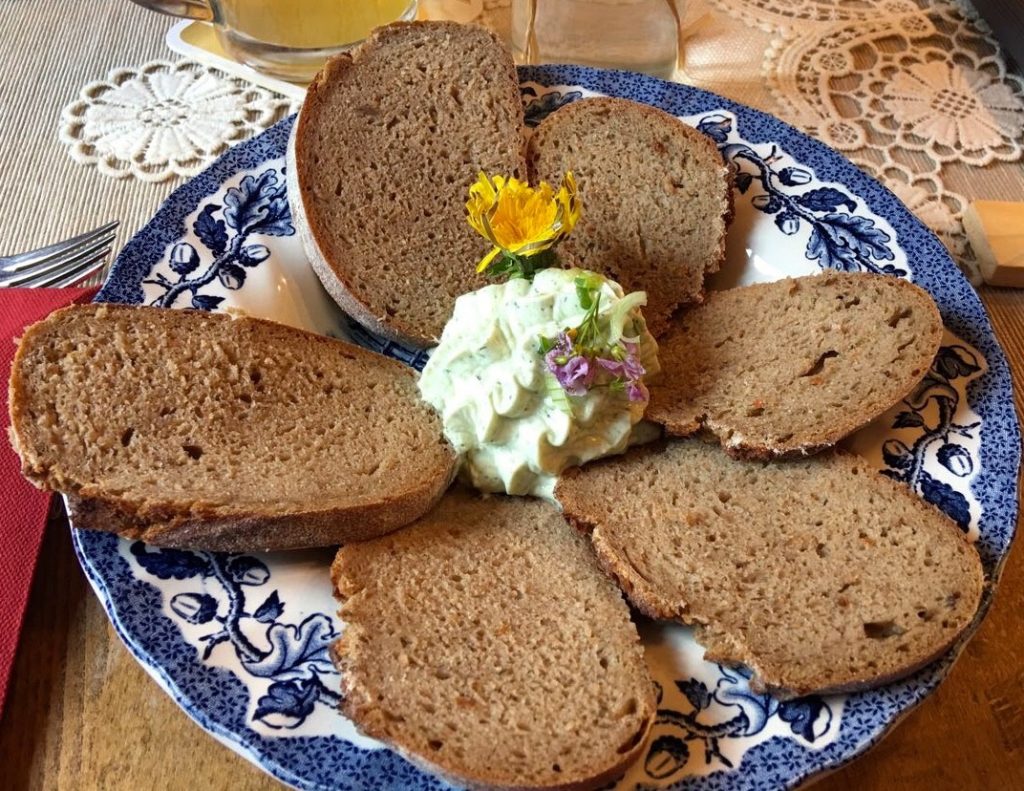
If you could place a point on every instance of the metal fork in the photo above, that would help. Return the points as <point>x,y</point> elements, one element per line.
<point>61,264</point>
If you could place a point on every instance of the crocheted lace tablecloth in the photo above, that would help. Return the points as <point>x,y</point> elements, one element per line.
<point>916,92</point>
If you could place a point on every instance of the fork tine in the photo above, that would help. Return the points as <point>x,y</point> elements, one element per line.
<point>78,277</point>
<point>57,267</point>
<point>76,272</point>
<point>32,258</point>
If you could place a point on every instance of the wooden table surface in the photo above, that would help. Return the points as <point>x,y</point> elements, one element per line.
<point>81,713</point>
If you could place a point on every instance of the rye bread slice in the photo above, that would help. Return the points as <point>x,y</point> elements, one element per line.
<point>818,574</point>
<point>385,148</point>
<point>656,198</point>
<point>202,430</point>
<point>486,644</point>
<point>791,367</point>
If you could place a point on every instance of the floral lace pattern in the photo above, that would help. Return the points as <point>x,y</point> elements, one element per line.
<point>954,107</point>
<point>162,119</point>
<point>885,81</point>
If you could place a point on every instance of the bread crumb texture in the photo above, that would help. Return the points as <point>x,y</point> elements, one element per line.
<point>388,143</point>
<point>819,573</point>
<point>205,413</point>
<point>656,198</point>
<point>790,367</point>
<point>485,641</point>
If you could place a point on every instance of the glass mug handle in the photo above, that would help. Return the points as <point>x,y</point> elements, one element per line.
<point>190,9</point>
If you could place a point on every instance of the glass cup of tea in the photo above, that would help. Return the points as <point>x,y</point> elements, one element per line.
<point>289,39</point>
<point>636,35</point>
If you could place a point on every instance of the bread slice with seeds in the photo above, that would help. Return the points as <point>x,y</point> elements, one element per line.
<point>485,643</point>
<point>656,198</point>
<point>790,367</point>
<point>818,574</point>
<point>201,430</point>
<point>384,150</point>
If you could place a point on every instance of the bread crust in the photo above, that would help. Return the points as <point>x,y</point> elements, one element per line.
<point>462,778</point>
<point>727,649</point>
<point>203,528</point>
<point>309,228</point>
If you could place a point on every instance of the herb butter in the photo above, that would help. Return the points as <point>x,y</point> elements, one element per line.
<point>504,411</point>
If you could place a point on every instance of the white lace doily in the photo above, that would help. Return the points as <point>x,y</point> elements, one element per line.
<point>903,87</point>
<point>164,119</point>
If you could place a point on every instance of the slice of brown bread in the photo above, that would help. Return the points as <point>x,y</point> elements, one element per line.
<point>818,574</point>
<point>656,198</point>
<point>486,644</point>
<point>385,148</point>
<point>202,430</point>
<point>791,367</point>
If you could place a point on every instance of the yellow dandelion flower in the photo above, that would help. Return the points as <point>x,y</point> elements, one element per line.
<point>520,220</point>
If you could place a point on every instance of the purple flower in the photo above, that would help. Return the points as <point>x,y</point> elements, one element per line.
<point>628,366</point>
<point>575,375</point>
<point>573,371</point>
<point>627,370</point>
<point>562,348</point>
<point>636,391</point>
<point>576,372</point>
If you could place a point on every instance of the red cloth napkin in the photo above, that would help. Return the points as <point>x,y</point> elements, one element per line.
<point>23,508</point>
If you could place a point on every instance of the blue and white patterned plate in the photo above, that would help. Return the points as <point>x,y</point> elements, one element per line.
<point>240,641</point>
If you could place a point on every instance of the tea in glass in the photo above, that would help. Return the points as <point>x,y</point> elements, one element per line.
<point>289,39</point>
<point>292,38</point>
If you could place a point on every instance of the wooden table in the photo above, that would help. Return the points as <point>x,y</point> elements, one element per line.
<point>81,713</point>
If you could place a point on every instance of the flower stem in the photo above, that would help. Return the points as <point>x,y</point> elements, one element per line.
<point>236,604</point>
<point>324,693</point>
<point>194,284</point>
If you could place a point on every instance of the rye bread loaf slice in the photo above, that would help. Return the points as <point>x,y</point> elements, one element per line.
<point>202,430</point>
<point>656,198</point>
<point>385,148</point>
<point>818,574</point>
<point>486,644</point>
<point>791,367</point>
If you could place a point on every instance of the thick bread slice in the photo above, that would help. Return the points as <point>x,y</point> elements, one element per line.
<point>202,430</point>
<point>656,198</point>
<point>485,643</point>
<point>818,574</point>
<point>791,367</point>
<point>385,148</point>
